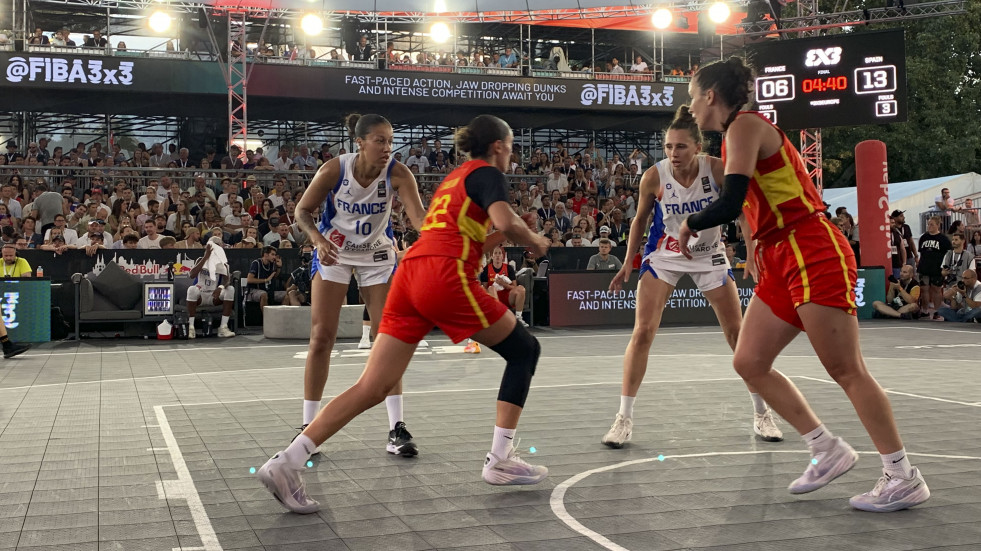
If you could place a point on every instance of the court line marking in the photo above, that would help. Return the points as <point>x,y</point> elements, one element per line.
<point>557,499</point>
<point>483,358</point>
<point>184,488</point>
<point>897,392</point>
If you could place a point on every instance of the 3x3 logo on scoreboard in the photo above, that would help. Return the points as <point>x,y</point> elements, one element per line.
<point>842,80</point>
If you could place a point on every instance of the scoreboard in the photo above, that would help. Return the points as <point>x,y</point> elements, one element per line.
<point>841,80</point>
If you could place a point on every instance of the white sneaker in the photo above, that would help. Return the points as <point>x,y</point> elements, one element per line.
<point>824,467</point>
<point>423,344</point>
<point>190,332</point>
<point>511,470</point>
<point>892,493</point>
<point>365,343</point>
<point>521,319</point>
<point>286,485</point>
<point>619,433</point>
<point>225,332</point>
<point>766,428</point>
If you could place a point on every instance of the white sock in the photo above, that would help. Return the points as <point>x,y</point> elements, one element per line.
<point>897,464</point>
<point>299,451</point>
<point>503,441</point>
<point>190,321</point>
<point>627,406</point>
<point>759,404</point>
<point>365,332</point>
<point>517,314</point>
<point>819,439</point>
<point>394,406</point>
<point>224,322</point>
<point>310,410</point>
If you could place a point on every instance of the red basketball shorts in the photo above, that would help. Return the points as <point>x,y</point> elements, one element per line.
<point>809,262</point>
<point>437,291</point>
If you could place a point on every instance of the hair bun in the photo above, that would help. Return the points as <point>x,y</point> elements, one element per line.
<point>351,121</point>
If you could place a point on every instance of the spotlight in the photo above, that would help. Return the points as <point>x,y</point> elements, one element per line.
<point>159,21</point>
<point>312,24</point>
<point>440,6</point>
<point>661,19</point>
<point>440,32</point>
<point>719,12</point>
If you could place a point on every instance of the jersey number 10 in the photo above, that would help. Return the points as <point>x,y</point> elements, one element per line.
<point>362,229</point>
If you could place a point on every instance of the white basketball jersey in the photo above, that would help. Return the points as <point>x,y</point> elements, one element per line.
<point>675,204</point>
<point>357,219</point>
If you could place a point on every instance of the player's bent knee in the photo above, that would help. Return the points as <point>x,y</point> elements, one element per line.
<point>521,351</point>
<point>193,293</point>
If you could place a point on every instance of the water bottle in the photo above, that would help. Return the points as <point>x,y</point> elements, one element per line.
<point>40,271</point>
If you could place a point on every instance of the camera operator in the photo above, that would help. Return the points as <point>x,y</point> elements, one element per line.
<point>902,296</point>
<point>956,260</point>
<point>298,284</point>
<point>964,299</point>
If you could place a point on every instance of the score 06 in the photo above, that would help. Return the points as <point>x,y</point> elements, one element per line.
<point>775,88</point>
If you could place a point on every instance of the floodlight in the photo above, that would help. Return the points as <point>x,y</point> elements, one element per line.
<point>719,12</point>
<point>159,21</point>
<point>312,24</point>
<point>661,19</point>
<point>440,31</point>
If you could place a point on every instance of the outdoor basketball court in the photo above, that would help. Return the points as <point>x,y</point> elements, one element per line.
<point>133,445</point>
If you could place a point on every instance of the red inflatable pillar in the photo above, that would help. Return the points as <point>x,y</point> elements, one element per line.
<point>872,179</point>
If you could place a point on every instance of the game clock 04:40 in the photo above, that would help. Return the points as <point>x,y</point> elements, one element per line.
<point>827,84</point>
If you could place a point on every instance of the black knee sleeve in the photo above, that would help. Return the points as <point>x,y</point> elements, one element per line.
<point>520,350</point>
<point>365,316</point>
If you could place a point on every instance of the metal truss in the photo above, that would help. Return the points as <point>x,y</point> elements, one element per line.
<point>238,78</point>
<point>810,138</point>
<point>813,21</point>
<point>529,16</point>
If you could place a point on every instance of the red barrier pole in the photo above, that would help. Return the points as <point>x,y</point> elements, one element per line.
<point>872,179</point>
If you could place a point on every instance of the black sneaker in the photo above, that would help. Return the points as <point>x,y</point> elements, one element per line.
<point>15,349</point>
<point>301,429</point>
<point>400,442</point>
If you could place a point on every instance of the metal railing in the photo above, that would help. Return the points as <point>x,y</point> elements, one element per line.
<point>969,218</point>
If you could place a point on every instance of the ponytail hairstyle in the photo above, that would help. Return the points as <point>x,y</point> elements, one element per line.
<point>477,137</point>
<point>359,126</point>
<point>732,80</point>
<point>684,121</point>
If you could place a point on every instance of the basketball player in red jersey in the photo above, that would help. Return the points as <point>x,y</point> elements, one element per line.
<point>447,258</point>
<point>806,281</point>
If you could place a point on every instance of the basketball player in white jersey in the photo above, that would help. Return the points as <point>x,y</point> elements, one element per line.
<point>210,287</point>
<point>353,235</point>
<point>683,183</point>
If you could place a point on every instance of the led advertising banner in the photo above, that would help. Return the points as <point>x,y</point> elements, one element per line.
<point>584,298</point>
<point>65,71</point>
<point>847,79</point>
<point>25,305</point>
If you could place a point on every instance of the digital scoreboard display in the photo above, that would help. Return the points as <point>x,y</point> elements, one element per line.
<point>841,80</point>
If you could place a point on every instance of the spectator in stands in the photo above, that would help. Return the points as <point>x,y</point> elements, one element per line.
<point>956,260</point>
<point>618,227</point>
<point>639,66</point>
<point>563,222</point>
<point>61,224</point>
<point>262,278</point>
<point>58,39</point>
<point>557,181</point>
<point>902,296</point>
<point>615,67</point>
<point>28,232</point>
<point>158,158</point>
<point>604,260</point>
<point>363,51</point>
<point>546,211</point>
<point>955,227</point>
<point>912,256</point>
<point>898,248</point>
<point>945,203</point>
<point>509,59</point>
<point>38,38</point>
<point>277,234</point>
<point>417,162</point>
<point>151,239</point>
<point>120,46</point>
<point>964,299</point>
<point>436,150</point>
<point>933,247</point>
<point>201,187</point>
<point>192,239</point>
<point>283,162</point>
<point>298,284</point>
<point>555,235</point>
<point>975,244</point>
<point>96,40</point>
<point>304,160</point>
